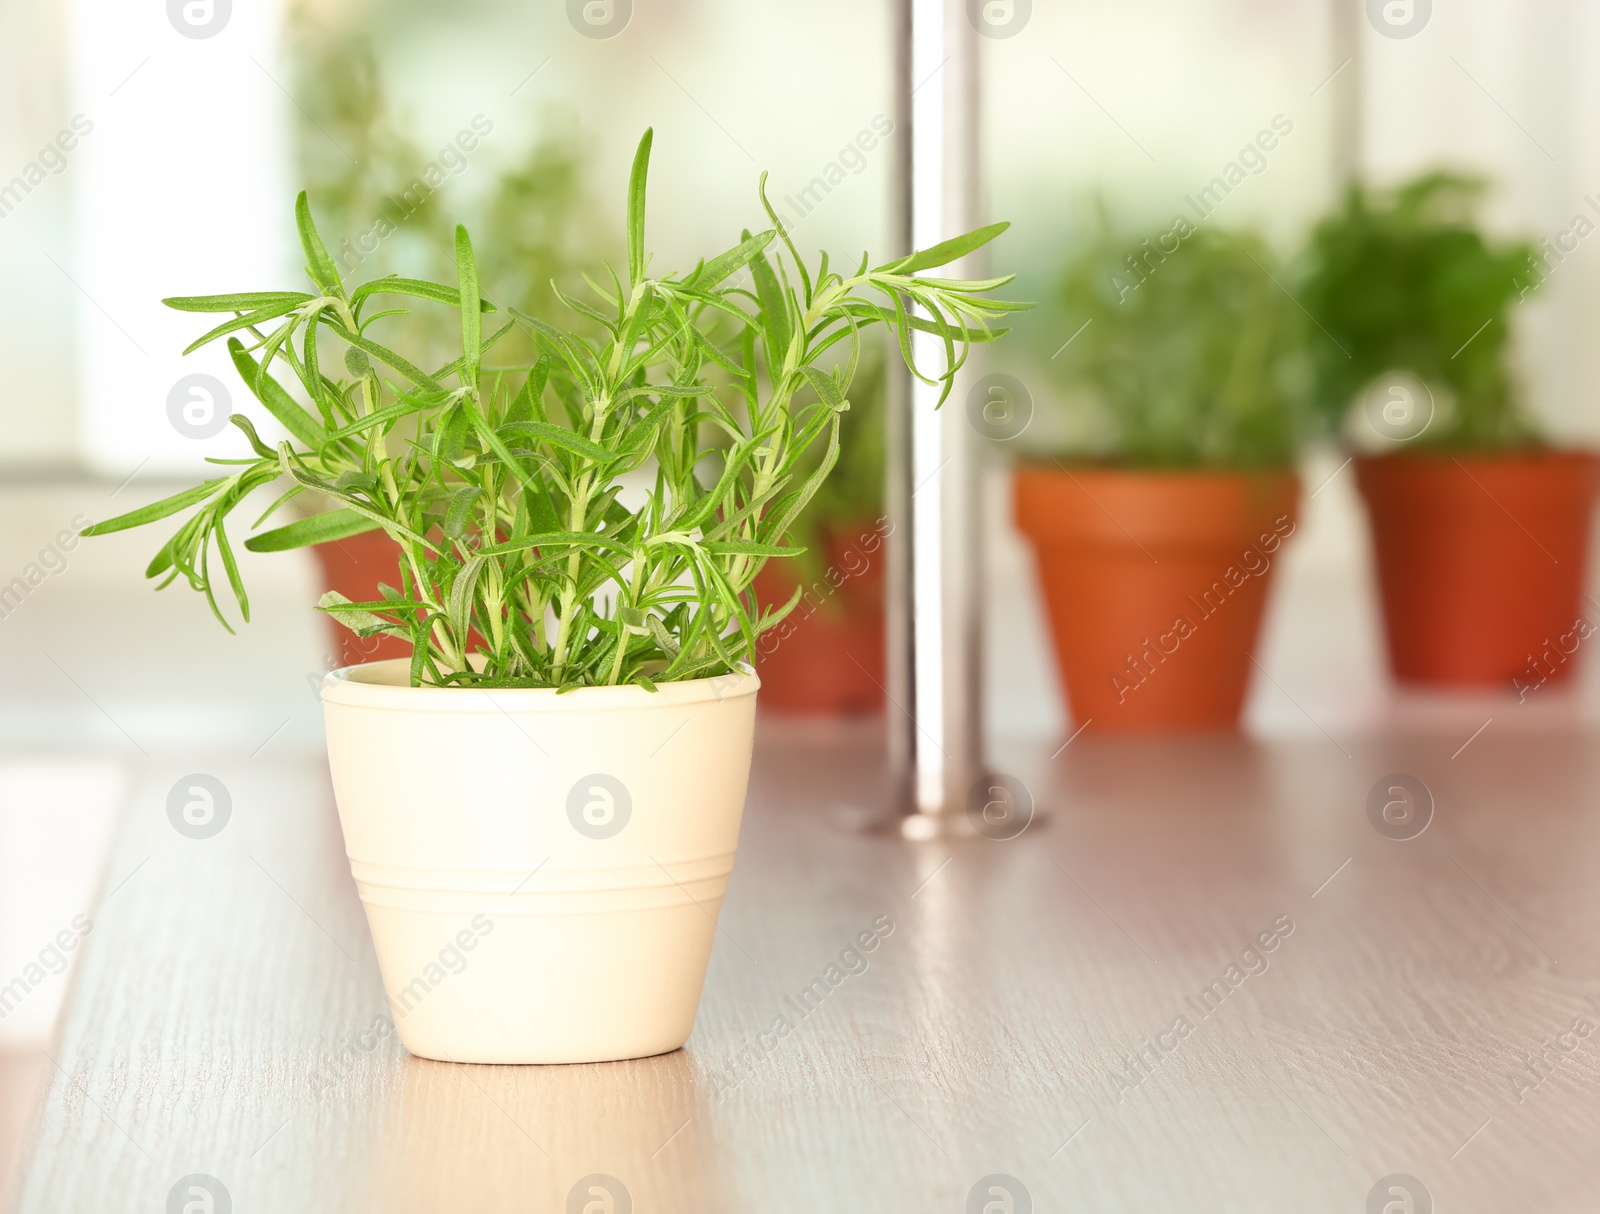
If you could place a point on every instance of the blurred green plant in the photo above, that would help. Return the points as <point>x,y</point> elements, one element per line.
<point>368,178</point>
<point>1187,353</point>
<point>355,155</point>
<point>521,566</point>
<point>548,228</point>
<point>1404,279</point>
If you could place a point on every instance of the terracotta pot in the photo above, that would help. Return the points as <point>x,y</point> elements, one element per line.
<point>1155,583</point>
<point>827,658</point>
<point>354,566</point>
<point>1481,562</point>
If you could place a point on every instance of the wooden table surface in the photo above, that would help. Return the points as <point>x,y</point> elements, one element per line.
<point>1036,1012</point>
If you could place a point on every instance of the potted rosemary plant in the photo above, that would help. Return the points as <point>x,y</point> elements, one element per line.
<point>1480,528</point>
<point>1157,529</point>
<point>548,791</point>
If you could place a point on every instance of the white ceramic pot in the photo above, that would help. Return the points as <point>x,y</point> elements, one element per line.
<point>542,874</point>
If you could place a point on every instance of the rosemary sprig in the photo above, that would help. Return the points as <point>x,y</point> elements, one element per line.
<point>520,565</point>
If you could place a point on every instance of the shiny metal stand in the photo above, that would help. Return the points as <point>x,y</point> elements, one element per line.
<point>935,717</point>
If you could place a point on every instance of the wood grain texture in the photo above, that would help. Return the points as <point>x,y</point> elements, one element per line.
<point>208,1027</point>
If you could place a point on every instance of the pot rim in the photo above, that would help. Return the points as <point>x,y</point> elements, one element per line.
<point>1136,511</point>
<point>386,684</point>
<point>1430,457</point>
<point>1210,472</point>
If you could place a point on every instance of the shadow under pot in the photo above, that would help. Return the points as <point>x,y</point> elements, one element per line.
<point>1154,583</point>
<point>1481,563</point>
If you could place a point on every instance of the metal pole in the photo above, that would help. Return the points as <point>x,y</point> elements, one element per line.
<point>935,724</point>
<point>1347,18</point>
<point>900,665</point>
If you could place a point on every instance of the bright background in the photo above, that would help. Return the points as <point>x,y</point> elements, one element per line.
<point>185,185</point>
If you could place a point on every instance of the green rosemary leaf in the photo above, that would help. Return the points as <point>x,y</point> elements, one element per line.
<point>385,355</point>
<point>558,539</point>
<point>460,512</point>
<point>231,566</point>
<point>382,418</point>
<point>527,404</point>
<point>727,264</point>
<point>636,191</point>
<point>416,287</point>
<point>775,320</point>
<point>248,301</point>
<point>747,548</point>
<point>269,392</point>
<point>318,264</point>
<point>318,529</point>
<point>247,321</point>
<point>260,448</point>
<point>556,436</point>
<point>471,318</point>
<point>156,510</point>
<point>945,252</point>
<point>461,592</point>
<point>351,616</point>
